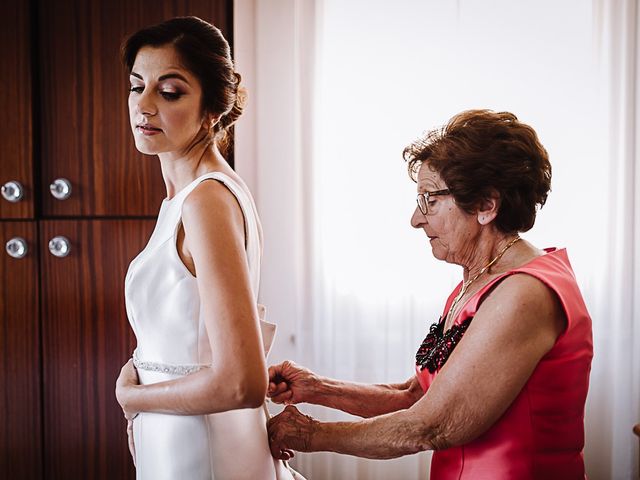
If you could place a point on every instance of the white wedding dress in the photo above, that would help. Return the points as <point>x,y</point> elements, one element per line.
<point>163,307</point>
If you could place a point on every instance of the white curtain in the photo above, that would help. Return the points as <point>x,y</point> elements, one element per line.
<point>614,399</point>
<point>338,88</point>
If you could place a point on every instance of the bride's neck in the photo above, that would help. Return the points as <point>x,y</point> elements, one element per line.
<point>180,169</point>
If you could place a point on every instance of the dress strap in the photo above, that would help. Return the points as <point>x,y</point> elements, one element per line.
<point>538,267</point>
<point>253,229</point>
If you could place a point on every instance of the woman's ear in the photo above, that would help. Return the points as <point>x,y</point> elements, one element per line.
<point>488,209</point>
<point>209,121</point>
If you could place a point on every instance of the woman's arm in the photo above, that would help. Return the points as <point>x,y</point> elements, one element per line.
<point>514,328</point>
<point>237,377</point>
<point>290,383</point>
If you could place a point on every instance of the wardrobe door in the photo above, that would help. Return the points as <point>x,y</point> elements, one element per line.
<point>16,170</point>
<point>88,152</point>
<point>20,401</point>
<point>86,340</point>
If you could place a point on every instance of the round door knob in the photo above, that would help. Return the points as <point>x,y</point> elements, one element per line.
<point>16,247</point>
<point>12,191</point>
<point>59,246</point>
<point>60,188</point>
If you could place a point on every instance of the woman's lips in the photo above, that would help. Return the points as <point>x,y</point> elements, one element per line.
<point>148,130</point>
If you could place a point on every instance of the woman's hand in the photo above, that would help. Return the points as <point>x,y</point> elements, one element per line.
<point>126,381</point>
<point>290,430</point>
<point>132,446</point>
<point>290,383</point>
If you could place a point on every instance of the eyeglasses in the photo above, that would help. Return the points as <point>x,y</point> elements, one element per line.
<point>423,199</point>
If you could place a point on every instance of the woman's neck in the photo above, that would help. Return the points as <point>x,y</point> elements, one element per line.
<point>487,249</point>
<point>180,169</point>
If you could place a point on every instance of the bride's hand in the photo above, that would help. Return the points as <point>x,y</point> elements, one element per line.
<point>127,379</point>
<point>290,383</point>
<point>132,446</point>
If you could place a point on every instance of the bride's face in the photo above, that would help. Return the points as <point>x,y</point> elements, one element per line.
<point>165,102</point>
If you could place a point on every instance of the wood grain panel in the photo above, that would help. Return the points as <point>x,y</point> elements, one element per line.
<point>86,339</point>
<point>86,136</point>
<point>20,400</point>
<point>16,149</point>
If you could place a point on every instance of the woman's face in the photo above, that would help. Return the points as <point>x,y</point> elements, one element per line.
<point>449,228</point>
<point>164,102</point>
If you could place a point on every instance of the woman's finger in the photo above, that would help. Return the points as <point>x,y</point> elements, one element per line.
<point>132,446</point>
<point>277,388</point>
<point>283,397</point>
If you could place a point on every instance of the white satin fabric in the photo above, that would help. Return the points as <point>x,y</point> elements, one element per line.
<point>163,307</point>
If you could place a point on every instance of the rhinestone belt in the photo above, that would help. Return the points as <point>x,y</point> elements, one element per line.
<point>165,367</point>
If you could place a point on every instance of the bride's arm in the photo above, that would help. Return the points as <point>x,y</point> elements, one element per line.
<point>214,228</point>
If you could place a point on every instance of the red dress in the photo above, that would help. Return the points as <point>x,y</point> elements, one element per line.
<point>541,435</point>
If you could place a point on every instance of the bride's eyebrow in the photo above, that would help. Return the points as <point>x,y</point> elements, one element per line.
<point>173,75</point>
<point>163,77</point>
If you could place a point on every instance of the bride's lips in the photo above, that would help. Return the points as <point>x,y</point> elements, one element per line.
<point>147,129</point>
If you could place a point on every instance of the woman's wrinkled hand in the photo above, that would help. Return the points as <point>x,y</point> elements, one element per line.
<point>290,430</point>
<point>290,383</point>
<point>126,381</point>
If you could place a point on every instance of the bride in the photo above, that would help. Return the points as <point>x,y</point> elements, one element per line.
<point>193,393</point>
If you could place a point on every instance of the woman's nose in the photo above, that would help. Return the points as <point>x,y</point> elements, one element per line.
<point>417,219</point>
<point>145,104</point>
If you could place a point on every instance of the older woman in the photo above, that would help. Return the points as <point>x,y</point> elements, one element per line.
<point>502,377</point>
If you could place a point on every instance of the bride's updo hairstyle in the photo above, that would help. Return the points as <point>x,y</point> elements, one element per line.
<point>206,54</point>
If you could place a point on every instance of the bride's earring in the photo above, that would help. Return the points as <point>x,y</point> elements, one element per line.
<point>211,130</point>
